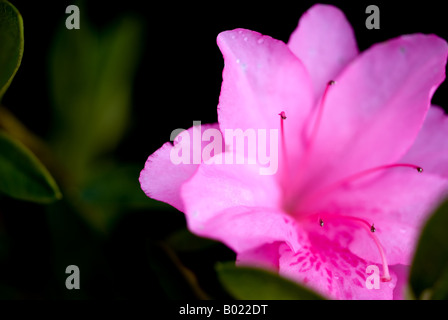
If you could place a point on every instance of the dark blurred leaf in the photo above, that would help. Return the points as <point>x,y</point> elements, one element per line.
<point>246,283</point>
<point>11,44</point>
<point>76,243</point>
<point>9,293</point>
<point>429,271</point>
<point>22,175</point>
<point>110,191</point>
<point>117,185</point>
<point>91,82</point>
<point>177,281</point>
<point>184,241</point>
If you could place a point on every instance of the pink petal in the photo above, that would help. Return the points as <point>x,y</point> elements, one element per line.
<point>430,149</point>
<point>402,273</point>
<point>244,228</point>
<point>265,256</point>
<point>161,179</point>
<point>331,270</point>
<point>324,41</point>
<point>238,206</point>
<point>373,114</point>
<point>262,78</point>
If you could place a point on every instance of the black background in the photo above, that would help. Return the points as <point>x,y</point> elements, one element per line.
<point>179,76</point>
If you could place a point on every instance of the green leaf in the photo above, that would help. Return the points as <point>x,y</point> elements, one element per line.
<point>22,175</point>
<point>175,279</point>
<point>11,44</point>
<point>429,271</point>
<point>91,81</point>
<point>248,283</point>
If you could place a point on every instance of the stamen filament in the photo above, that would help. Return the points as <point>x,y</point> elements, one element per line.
<point>284,151</point>
<point>355,177</point>
<point>302,163</point>
<point>320,112</point>
<point>370,229</point>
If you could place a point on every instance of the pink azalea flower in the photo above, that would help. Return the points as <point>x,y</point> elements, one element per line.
<point>349,191</point>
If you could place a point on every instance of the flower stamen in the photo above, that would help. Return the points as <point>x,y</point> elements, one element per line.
<point>371,229</point>
<point>316,124</point>
<point>284,151</point>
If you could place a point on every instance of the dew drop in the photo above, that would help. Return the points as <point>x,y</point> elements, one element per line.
<point>237,60</point>
<point>260,41</point>
<point>245,38</point>
<point>420,170</point>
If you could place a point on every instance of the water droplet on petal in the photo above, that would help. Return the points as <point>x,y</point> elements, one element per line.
<point>245,38</point>
<point>237,60</point>
<point>260,41</point>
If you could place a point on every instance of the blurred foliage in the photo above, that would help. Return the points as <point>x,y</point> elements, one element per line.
<point>429,272</point>
<point>91,76</point>
<point>22,174</point>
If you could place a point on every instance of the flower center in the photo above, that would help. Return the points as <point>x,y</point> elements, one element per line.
<point>295,206</point>
<point>323,218</point>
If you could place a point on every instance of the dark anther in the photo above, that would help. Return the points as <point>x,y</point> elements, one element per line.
<point>283,115</point>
